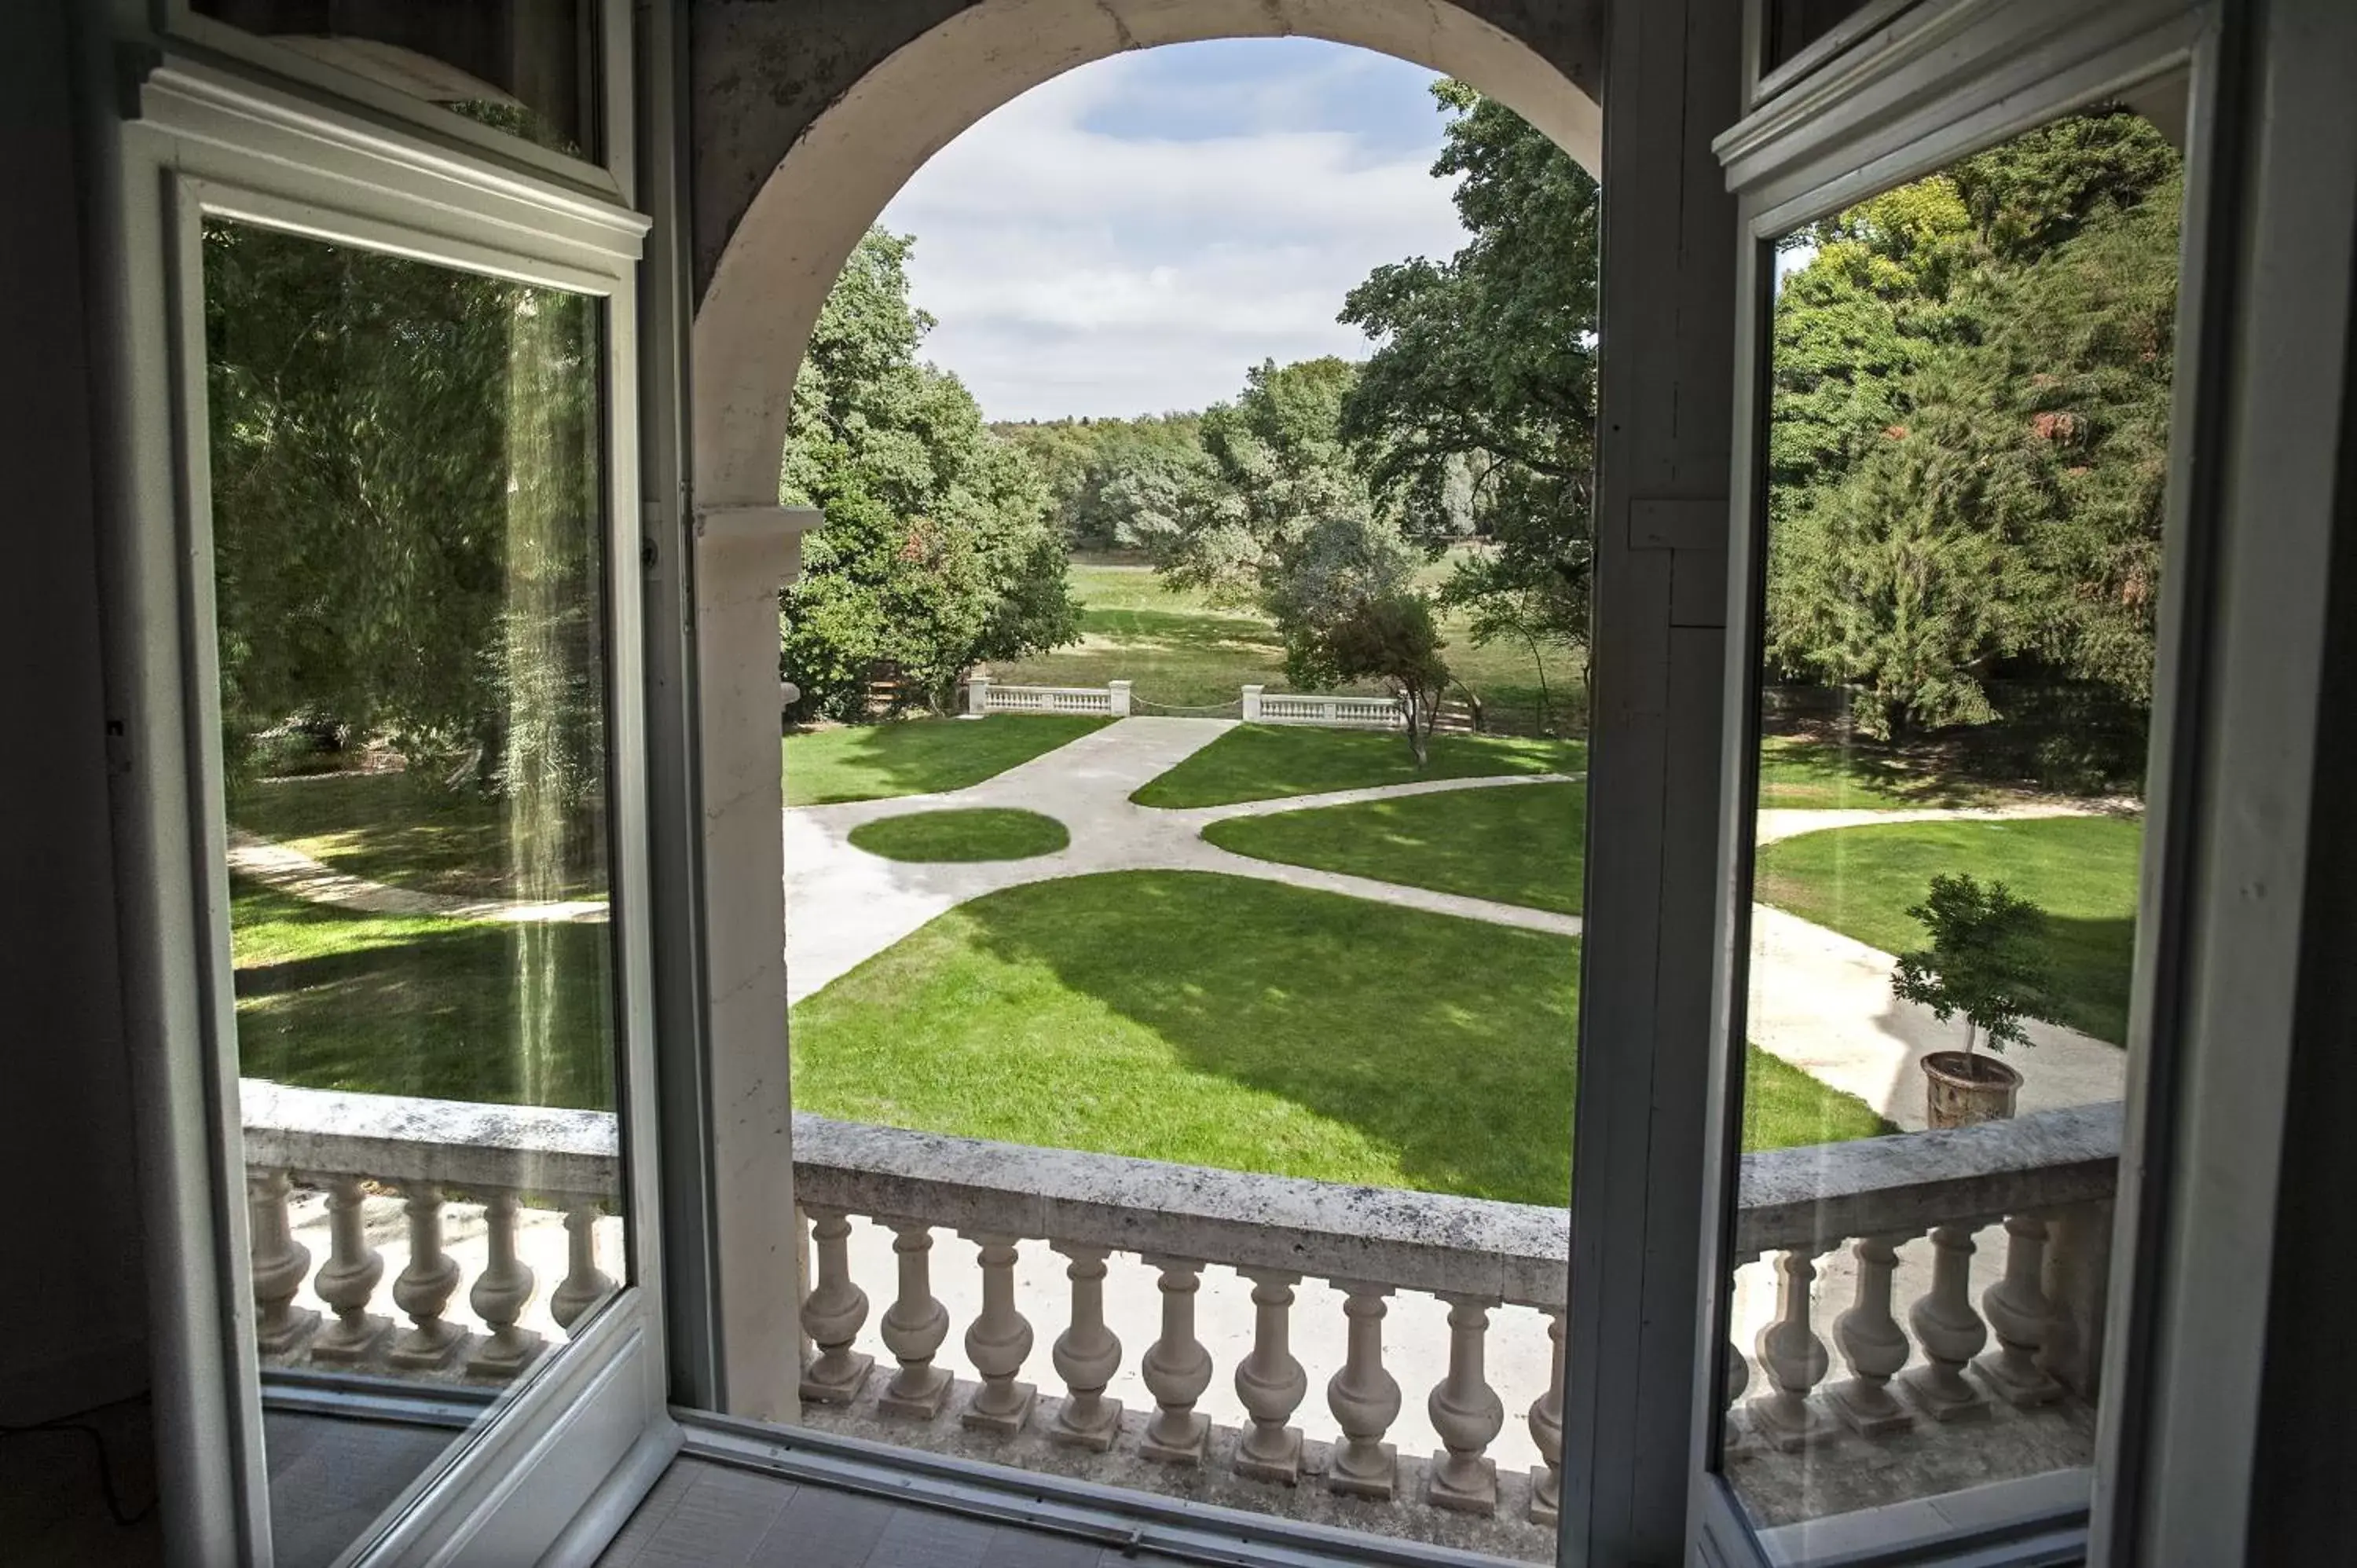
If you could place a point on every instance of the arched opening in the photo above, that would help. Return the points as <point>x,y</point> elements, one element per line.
<point>782,256</point>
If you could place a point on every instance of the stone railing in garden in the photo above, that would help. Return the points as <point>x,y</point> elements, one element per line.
<point>1265,707</point>
<point>983,696</point>
<point>1961,1271</point>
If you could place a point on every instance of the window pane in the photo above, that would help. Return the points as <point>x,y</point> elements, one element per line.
<point>526,67</point>
<point>1967,451</point>
<point>407,499</point>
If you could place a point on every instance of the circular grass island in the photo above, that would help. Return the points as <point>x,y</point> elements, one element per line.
<point>982,833</point>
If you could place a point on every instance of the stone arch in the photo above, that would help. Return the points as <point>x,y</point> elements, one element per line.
<point>770,243</point>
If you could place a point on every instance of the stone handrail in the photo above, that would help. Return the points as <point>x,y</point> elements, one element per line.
<point>1331,711</point>
<point>2047,1177</point>
<point>983,696</point>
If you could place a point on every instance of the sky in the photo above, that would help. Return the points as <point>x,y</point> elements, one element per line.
<point>1130,237</point>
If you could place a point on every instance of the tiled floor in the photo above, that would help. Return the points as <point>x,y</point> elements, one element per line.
<point>702,1515</point>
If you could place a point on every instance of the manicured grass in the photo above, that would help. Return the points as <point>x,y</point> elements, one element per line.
<point>2080,870</point>
<point>404,830</point>
<point>1178,650</point>
<point>1212,1020</point>
<point>1816,775</point>
<point>1518,843</point>
<point>918,756</point>
<point>1265,762</point>
<point>508,1013</point>
<point>981,833</point>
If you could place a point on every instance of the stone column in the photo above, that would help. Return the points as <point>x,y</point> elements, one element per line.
<point>744,555</point>
<point>977,694</point>
<point>1252,704</point>
<point>1365,1400</point>
<point>1119,693</point>
<point>1177,1369</point>
<point>1270,1383</point>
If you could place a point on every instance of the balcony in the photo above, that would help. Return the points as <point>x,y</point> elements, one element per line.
<point>1929,1305</point>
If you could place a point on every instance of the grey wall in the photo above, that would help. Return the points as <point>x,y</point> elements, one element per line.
<point>71,1309</point>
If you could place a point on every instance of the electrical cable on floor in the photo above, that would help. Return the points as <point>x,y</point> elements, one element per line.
<point>105,1461</point>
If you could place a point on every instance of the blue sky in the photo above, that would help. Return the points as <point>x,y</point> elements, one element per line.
<point>1131,236</point>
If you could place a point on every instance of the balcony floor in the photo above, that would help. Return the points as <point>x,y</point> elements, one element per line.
<point>717,1516</point>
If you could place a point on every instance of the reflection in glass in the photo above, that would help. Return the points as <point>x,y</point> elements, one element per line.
<point>1967,442</point>
<point>525,67</point>
<point>407,505</point>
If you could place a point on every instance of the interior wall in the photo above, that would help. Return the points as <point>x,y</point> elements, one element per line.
<point>72,1322</point>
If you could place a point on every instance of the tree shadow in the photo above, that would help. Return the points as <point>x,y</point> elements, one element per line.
<point>1448,1042</point>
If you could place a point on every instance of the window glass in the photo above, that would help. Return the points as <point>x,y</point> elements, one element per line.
<point>526,67</point>
<point>1968,442</point>
<point>407,525</point>
<point>1791,26</point>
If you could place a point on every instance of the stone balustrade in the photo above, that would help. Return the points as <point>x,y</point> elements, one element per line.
<point>1261,706</point>
<point>1869,1252</point>
<point>983,696</point>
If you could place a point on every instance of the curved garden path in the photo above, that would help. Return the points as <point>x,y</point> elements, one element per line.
<point>298,876</point>
<point>1820,1000</point>
<point>845,906</point>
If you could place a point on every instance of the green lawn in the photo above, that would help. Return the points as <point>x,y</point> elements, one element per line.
<point>402,830</point>
<point>981,833</point>
<point>390,1005</point>
<point>918,756</point>
<point>1178,650</point>
<point>1265,762</point>
<point>2080,870</point>
<point>1519,844</point>
<point>1212,1020</point>
<point>1819,775</point>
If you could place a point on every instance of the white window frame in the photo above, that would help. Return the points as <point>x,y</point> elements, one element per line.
<point>214,140</point>
<point>611,174</point>
<point>1933,83</point>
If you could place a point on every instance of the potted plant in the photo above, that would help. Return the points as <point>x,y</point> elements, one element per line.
<point>1986,961</point>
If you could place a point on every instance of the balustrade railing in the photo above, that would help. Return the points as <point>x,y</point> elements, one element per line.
<point>1871,1247</point>
<point>1261,706</point>
<point>983,696</point>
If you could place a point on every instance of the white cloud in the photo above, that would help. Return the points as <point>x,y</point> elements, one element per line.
<point>1077,271</point>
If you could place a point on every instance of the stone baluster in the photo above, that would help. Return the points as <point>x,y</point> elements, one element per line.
<point>279,1262</point>
<point>347,1280</point>
<point>499,1296</point>
<point>2020,1314</point>
<point>1270,1383</point>
<point>585,1283</point>
<point>914,1327</point>
<point>2078,1275</point>
<point>1738,1374</point>
<point>1177,1369</point>
<point>1087,1354</point>
<point>426,1285</point>
<point>1948,1329</point>
<point>1872,1343</point>
<point>1365,1400</point>
<point>1547,1432</point>
<point>998,1342</point>
<point>832,1314</point>
<point>1467,1413</point>
<point>1794,1359</point>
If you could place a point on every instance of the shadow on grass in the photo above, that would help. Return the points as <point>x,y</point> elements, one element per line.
<point>511,1014</point>
<point>1519,844</point>
<point>918,756</point>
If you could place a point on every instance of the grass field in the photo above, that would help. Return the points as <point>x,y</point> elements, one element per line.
<point>1263,762</point>
<point>2080,870</point>
<point>1521,843</point>
<point>1217,1021</point>
<point>1179,650</point>
<point>981,833</point>
<point>399,829</point>
<point>1814,775</point>
<point>428,1006</point>
<point>918,756</point>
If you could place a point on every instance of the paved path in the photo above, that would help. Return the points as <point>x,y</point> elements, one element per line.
<point>845,906</point>
<point>292,872</point>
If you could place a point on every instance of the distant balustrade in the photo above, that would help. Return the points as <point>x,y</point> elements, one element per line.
<point>1869,1328</point>
<point>983,696</point>
<point>1261,706</point>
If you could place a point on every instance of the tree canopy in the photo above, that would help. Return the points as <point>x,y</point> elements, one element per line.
<point>939,551</point>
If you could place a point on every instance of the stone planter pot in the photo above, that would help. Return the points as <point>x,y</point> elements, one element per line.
<point>1960,1090</point>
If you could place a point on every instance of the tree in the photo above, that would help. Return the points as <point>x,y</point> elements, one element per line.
<point>939,550</point>
<point>1987,961</point>
<point>1394,640</point>
<point>1968,432</point>
<point>1476,412</point>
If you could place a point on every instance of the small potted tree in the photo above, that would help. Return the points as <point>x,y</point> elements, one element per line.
<point>1986,961</point>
